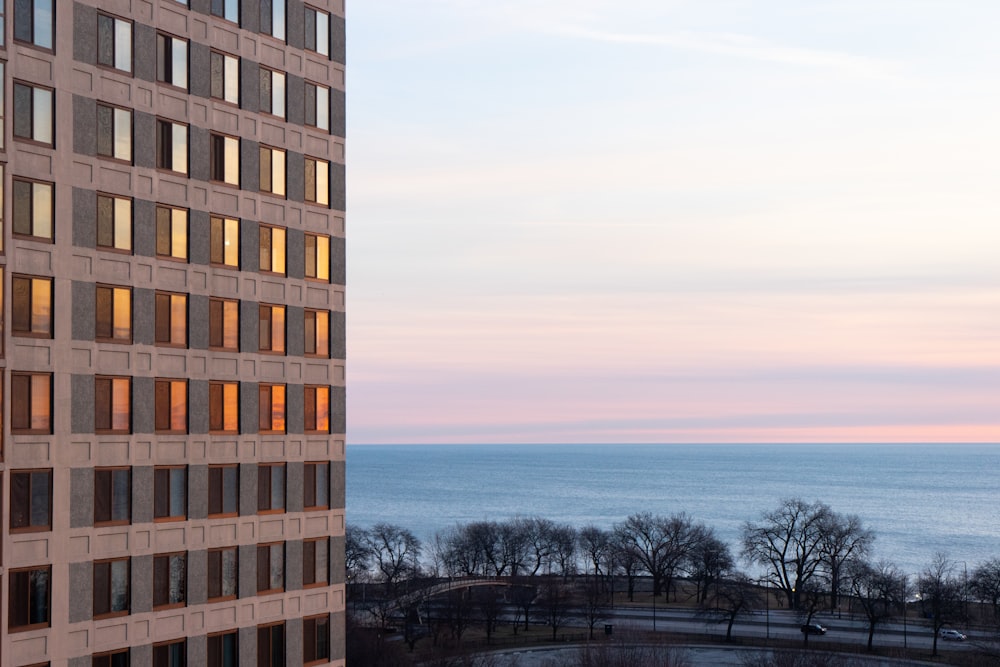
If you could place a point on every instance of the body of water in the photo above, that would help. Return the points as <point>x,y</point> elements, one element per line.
<point>919,499</point>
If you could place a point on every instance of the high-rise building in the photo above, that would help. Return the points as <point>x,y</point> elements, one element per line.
<point>172,362</point>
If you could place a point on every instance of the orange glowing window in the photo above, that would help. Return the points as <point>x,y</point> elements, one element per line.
<point>272,408</point>
<point>317,333</point>
<point>317,410</point>
<point>112,404</point>
<point>171,406</point>
<point>223,407</point>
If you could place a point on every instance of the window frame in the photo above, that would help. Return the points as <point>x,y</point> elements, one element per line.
<point>312,473</point>
<point>158,569</point>
<point>273,172</point>
<point>320,260</point>
<point>31,42</point>
<point>34,283</point>
<point>221,229</point>
<point>316,30</point>
<point>159,501</point>
<point>28,504</point>
<point>320,116</point>
<point>266,555</point>
<point>114,384</point>
<point>226,59</point>
<point>30,404</point>
<point>173,220</point>
<point>267,315</point>
<point>223,15</point>
<point>311,564</point>
<point>224,332</point>
<point>109,655</point>
<point>216,655</point>
<point>114,222</point>
<point>313,652</point>
<point>315,398</point>
<point>114,133</point>
<point>113,302</point>
<point>170,385</point>
<point>274,415</point>
<point>316,329</point>
<point>170,326</point>
<point>219,164</point>
<point>317,184</point>
<point>220,387</point>
<point>34,185</point>
<point>112,496</point>
<point>163,150</point>
<point>219,491</point>
<point>266,499</point>
<point>30,598</point>
<point>108,602</point>
<point>218,553</point>
<point>267,22</point>
<point>160,661</point>
<point>33,139</point>
<point>271,100</point>
<point>277,257</point>
<point>165,65</point>
<point>115,20</point>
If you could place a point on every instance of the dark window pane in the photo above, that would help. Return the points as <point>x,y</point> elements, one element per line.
<point>22,207</point>
<point>102,404</point>
<point>20,495</point>
<point>40,494</point>
<point>310,100</point>
<point>103,328</point>
<point>162,318</point>
<point>22,111</point>
<point>310,21</point>
<point>105,130</point>
<point>105,222</point>
<point>105,41</point>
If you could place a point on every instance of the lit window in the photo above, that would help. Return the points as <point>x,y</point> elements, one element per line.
<point>224,324</point>
<point>223,566</point>
<point>227,9</point>
<point>225,241</point>
<point>31,306</point>
<point>113,322</point>
<point>272,249</point>
<point>170,492</point>
<point>317,106</point>
<point>34,112</point>
<point>317,333</point>
<point>114,223</point>
<point>33,208</point>
<point>317,410</point>
<point>318,257</point>
<point>169,583</point>
<point>272,170</point>
<point>112,404</point>
<point>30,500</point>
<point>34,22</point>
<point>114,132</point>
<point>223,407</point>
<point>317,31</point>
<point>111,584</point>
<point>29,596</point>
<point>225,159</point>
<point>171,319</point>
<point>223,490</point>
<point>272,18</point>
<point>3,24</point>
<point>316,640</point>
<point>112,496</point>
<point>170,406</point>
<point>225,77</point>
<point>31,403</point>
<point>172,654</point>
<point>119,658</point>
<point>272,408</point>
<point>317,180</point>
<point>316,485</point>
<point>171,232</point>
<point>271,487</point>
<point>271,568</point>
<point>171,60</point>
<point>315,562</point>
<point>3,84</point>
<point>114,43</point>
<point>272,92</point>
<point>224,649</point>
<point>172,146</point>
<point>272,328</point>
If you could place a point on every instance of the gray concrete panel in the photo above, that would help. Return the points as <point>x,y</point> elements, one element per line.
<point>83,310</point>
<point>338,113</point>
<point>198,153</point>
<point>338,186</point>
<point>338,410</point>
<point>200,80</point>
<point>293,409</point>
<point>144,228</point>
<point>295,184</point>
<point>338,340</point>
<point>250,167</point>
<point>84,661</point>
<point>198,322</point>
<point>338,261</point>
<point>143,404</point>
<point>82,404</point>
<point>249,16</point>
<point>142,588</point>
<point>144,138</point>
<point>338,40</point>
<point>295,332</point>
<point>249,419</point>
<point>197,492</point>
<point>201,6</point>
<point>198,399</point>
<point>338,568</point>
<point>142,496</point>
<point>248,640</point>
<point>84,218</point>
<point>338,636</point>
<point>293,564</point>
<point>249,326</point>
<point>84,34</point>
<point>295,253</point>
<point>81,493</point>
<point>199,237</point>
<point>250,86</point>
<point>144,316</point>
<point>295,107</point>
<point>295,21</point>
<point>81,593</point>
<point>144,52</point>
<point>197,652</point>
<point>197,574</point>
<point>248,571</point>
<point>141,655</point>
<point>294,476</point>
<point>84,125</point>
<point>338,480</point>
<point>250,251</point>
<point>293,641</point>
<point>248,489</point>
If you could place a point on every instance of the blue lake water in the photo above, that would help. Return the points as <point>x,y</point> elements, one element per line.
<point>920,499</point>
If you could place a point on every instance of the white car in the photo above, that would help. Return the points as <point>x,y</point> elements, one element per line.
<point>953,635</point>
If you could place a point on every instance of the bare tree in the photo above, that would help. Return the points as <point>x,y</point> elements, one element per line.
<point>707,562</point>
<point>842,538</point>
<point>563,538</point>
<point>595,602</point>
<point>523,595</point>
<point>488,605</point>
<point>554,603</point>
<point>395,552</point>
<point>941,594</point>
<point>596,545</point>
<point>734,596</point>
<point>876,588</point>
<point>985,585</point>
<point>659,544</point>
<point>357,555</point>
<point>787,542</point>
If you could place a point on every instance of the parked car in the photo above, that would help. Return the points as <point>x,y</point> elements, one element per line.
<point>951,635</point>
<point>813,629</point>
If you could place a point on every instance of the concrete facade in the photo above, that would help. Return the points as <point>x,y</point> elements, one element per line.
<point>73,546</point>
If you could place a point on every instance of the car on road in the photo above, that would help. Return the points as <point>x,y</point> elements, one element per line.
<point>951,635</point>
<point>813,629</point>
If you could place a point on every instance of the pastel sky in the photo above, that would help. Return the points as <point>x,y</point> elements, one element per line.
<point>673,221</point>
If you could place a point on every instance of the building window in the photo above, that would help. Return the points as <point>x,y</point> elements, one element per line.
<point>171,232</point>
<point>114,43</point>
<point>112,496</point>
<point>318,257</point>
<point>223,407</point>
<point>270,567</point>
<point>272,249</point>
<point>171,406</point>
<point>272,18</point>
<point>171,60</point>
<point>271,337</point>
<point>111,589</point>
<point>224,324</point>
<point>31,403</point>
<point>227,9</point>
<point>223,567</point>
<point>317,333</point>
<point>171,319</point>
<point>316,639</point>
<point>270,487</point>
<point>315,562</point>
<point>317,410</point>
<point>317,106</point>
<point>112,404</point>
<point>272,408</point>
<point>223,490</point>
<point>225,159</point>
<point>31,306</point>
<point>272,92</point>
<point>118,658</point>
<point>28,598</point>
<point>272,170</point>
<point>32,209</point>
<point>224,649</point>
<point>170,492</point>
<point>33,113</point>
<point>114,133</point>
<point>169,580</point>
<point>317,180</point>
<point>113,312</point>
<point>114,223</point>
<point>317,31</point>
<point>172,146</point>
<point>3,85</point>
<point>316,486</point>
<point>34,22</point>
<point>225,77</point>
<point>30,500</point>
<point>225,241</point>
<point>173,654</point>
